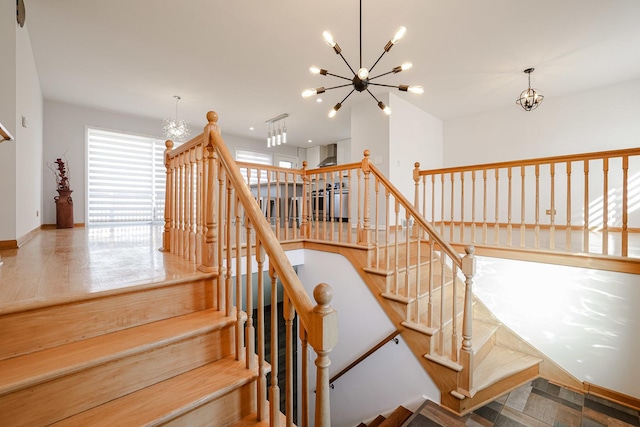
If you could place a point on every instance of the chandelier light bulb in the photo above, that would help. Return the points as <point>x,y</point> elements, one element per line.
<point>418,90</point>
<point>314,69</point>
<point>406,66</point>
<point>334,110</point>
<point>309,92</point>
<point>399,34</point>
<point>363,73</point>
<point>384,108</point>
<point>328,38</point>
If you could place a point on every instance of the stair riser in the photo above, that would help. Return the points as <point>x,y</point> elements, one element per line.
<point>70,394</point>
<point>224,411</point>
<point>72,322</point>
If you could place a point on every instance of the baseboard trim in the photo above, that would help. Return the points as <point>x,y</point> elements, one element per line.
<point>28,236</point>
<point>53,226</point>
<point>8,244</point>
<point>615,396</point>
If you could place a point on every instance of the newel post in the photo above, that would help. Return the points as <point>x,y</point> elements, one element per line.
<point>365,235</point>
<point>323,336</point>
<point>465,385</point>
<point>210,256</point>
<point>168,199</point>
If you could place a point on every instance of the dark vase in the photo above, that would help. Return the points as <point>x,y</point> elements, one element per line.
<point>64,209</point>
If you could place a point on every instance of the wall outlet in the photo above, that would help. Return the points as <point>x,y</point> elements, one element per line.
<point>548,211</point>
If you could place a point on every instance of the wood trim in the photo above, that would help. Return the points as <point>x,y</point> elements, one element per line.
<point>28,236</point>
<point>533,226</point>
<point>615,396</point>
<point>537,161</point>
<point>53,226</point>
<point>8,244</point>
<point>598,262</point>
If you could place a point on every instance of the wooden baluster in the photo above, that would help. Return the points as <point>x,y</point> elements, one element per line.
<point>466,353</point>
<point>387,233</point>
<point>484,207</point>
<point>497,209</point>
<point>407,262</point>
<point>317,205</point>
<point>325,207</point>
<point>366,238</point>
<point>168,199</point>
<point>269,212</point>
<point>261,394</point>
<point>174,207</point>
<point>462,207</point>
<point>585,230</point>
<point>289,316</point>
<point>454,311</point>
<point>274,396</point>
<point>430,297</point>
<point>350,200</point>
<point>522,207</point>
<point>424,197</point>
<point>568,232</point>
<point>192,209</point>
<point>552,227</point>
<point>509,208</point>
<point>278,211</point>
<point>418,271</point>
<point>227,250</point>
<point>304,225</point>
<point>240,316</point>
<point>323,337</point>
<point>537,225</point>
<point>199,205</point>
<point>396,242</point>
<point>625,206</point>
<point>222,295</point>
<point>451,223</point>
<point>249,328</point>
<point>286,206</point>
<point>340,201</point>
<point>416,179</point>
<point>442,204</point>
<point>330,199</point>
<point>304,357</point>
<point>377,221</point>
<point>433,200</point>
<point>187,206</point>
<point>605,206</point>
<point>181,206</point>
<point>442,284</point>
<point>473,206</point>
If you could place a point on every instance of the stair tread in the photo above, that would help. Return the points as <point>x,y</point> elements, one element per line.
<point>251,420</point>
<point>397,417</point>
<point>168,399</point>
<point>435,413</point>
<point>500,363</point>
<point>34,368</point>
<point>377,421</point>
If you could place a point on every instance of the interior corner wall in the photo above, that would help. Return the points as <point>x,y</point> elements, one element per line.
<point>370,131</point>
<point>414,136</point>
<point>596,120</point>
<point>29,138</point>
<point>8,27</point>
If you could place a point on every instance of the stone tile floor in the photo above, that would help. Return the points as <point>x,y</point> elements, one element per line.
<point>536,404</point>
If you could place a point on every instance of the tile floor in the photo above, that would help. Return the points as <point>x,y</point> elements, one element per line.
<point>538,404</point>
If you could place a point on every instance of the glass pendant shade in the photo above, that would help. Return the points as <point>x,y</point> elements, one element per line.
<point>174,128</point>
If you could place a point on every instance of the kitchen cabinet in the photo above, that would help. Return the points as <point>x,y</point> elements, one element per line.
<point>344,151</point>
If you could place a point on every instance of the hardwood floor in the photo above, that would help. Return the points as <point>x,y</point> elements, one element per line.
<point>69,263</point>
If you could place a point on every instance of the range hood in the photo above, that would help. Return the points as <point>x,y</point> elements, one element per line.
<point>332,157</point>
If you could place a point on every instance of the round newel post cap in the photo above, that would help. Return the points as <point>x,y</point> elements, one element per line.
<point>323,294</point>
<point>212,117</point>
<point>416,165</point>
<point>469,249</point>
<point>304,164</point>
<point>367,153</point>
<point>169,144</point>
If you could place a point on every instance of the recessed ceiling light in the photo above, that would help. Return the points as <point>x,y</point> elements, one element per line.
<point>309,141</point>
<point>319,100</point>
<point>251,128</point>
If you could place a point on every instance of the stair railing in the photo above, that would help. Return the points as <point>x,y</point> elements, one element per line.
<point>215,221</point>
<point>585,203</point>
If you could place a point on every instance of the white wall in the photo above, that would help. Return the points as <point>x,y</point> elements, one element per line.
<point>597,120</point>
<point>391,376</point>
<point>29,143</point>
<point>585,320</point>
<point>8,28</point>
<point>65,135</point>
<point>370,131</point>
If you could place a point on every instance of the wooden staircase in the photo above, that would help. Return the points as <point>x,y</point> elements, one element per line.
<point>394,419</point>
<point>501,360</point>
<point>148,355</point>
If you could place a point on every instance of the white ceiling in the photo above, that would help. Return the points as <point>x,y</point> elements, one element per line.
<point>249,59</point>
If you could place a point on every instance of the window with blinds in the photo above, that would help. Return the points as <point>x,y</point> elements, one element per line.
<point>254,157</point>
<point>126,177</point>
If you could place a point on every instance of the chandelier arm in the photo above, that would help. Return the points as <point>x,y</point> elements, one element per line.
<point>377,60</point>
<point>380,84</point>
<point>348,95</point>
<point>336,87</point>
<point>340,77</point>
<point>374,97</point>
<point>380,75</point>
<point>345,61</point>
<point>360,34</point>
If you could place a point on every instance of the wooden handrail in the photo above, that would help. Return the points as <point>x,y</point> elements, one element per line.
<point>192,143</point>
<point>446,247</point>
<point>536,161</point>
<point>277,256</point>
<point>366,354</point>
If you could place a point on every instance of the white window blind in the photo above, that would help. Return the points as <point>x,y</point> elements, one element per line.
<point>126,177</point>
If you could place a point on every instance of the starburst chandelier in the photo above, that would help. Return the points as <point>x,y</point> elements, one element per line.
<point>174,128</point>
<point>361,79</point>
